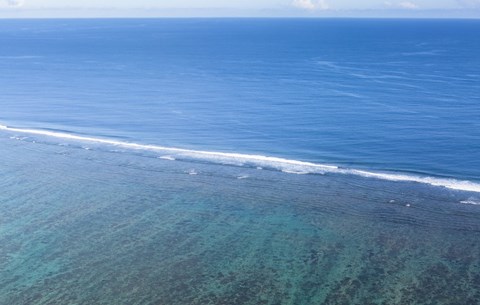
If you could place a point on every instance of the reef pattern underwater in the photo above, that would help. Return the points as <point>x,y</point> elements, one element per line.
<point>105,226</point>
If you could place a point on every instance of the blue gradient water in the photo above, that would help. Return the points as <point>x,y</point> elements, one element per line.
<point>157,162</point>
<point>398,95</point>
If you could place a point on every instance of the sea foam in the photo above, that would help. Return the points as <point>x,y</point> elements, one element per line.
<point>257,161</point>
<point>471,202</point>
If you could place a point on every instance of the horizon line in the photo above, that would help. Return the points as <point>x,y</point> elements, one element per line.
<point>249,17</point>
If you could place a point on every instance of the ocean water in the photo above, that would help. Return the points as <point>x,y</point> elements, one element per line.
<point>239,161</point>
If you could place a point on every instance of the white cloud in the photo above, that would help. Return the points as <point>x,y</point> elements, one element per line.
<point>305,4</point>
<point>469,3</point>
<point>15,3</point>
<point>311,5</point>
<point>402,5</point>
<point>408,5</point>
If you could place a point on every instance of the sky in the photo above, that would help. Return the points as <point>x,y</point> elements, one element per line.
<point>239,8</point>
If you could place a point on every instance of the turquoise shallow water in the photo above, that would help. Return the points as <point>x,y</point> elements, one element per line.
<point>107,225</point>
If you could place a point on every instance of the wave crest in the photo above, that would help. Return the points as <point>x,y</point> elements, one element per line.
<point>257,161</point>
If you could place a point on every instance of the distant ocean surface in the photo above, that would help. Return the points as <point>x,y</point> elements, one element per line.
<point>391,95</point>
<point>239,161</point>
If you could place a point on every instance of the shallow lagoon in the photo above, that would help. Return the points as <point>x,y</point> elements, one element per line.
<point>105,225</point>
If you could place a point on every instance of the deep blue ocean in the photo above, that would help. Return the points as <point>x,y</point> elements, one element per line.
<point>396,95</point>
<point>239,161</point>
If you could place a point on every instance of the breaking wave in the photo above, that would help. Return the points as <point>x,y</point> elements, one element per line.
<point>257,161</point>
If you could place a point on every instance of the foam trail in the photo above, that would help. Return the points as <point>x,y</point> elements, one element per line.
<point>471,201</point>
<point>210,154</point>
<point>259,161</point>
<point>442,182</point>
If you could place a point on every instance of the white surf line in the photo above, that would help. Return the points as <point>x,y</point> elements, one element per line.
<point>237,156</point>
<point>440,182</point>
